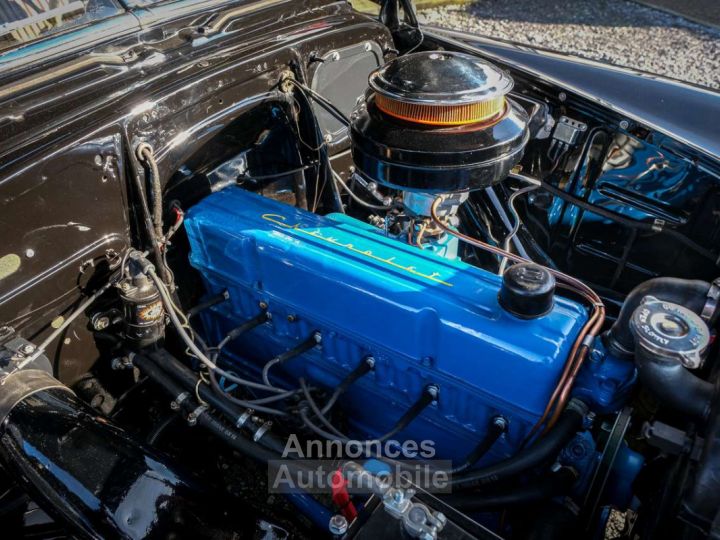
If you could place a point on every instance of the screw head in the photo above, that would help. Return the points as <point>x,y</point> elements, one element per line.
<point>292,318</point>
<point>624,124</point>
<point>263,305</point>
<point>28,349</point>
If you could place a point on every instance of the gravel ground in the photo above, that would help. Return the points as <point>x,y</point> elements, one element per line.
<point>615,31</point>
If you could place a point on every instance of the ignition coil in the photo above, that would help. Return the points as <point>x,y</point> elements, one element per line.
<point>144,314</point>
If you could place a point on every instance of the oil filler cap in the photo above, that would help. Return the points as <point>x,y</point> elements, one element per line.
<point>669,331</point>
<point>528,290</point>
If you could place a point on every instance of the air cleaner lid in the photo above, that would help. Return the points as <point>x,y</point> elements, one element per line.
<point>442,78</point>
<point>671,332</point>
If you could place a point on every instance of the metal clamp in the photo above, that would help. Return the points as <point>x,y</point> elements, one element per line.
<point>175,403</point>
<point>262,430</point>
<point>244,417</point>
<point>418,520</point>
<point>194,415</point>
<point>710,308</point>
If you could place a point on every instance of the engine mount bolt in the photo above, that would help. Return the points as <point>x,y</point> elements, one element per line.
<point>338,525</point>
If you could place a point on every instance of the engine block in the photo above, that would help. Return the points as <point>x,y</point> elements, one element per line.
<point>424,319</point>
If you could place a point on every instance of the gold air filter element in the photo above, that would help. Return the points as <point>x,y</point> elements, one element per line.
<point>441,89</point>
<point>442,115</point>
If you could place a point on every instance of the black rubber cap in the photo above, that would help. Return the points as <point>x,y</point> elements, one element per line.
<point>528,290</point>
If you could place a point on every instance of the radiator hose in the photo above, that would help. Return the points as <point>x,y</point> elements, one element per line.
<point>644,330</point>
<point>542,451</point>
<point>674,386</point>
<point>557,483</point>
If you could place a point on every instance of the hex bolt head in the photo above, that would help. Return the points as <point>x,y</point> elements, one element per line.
<point>28,349</point>
<point>338,525</point>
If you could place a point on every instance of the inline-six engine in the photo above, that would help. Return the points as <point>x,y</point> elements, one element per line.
<point>424,319</point>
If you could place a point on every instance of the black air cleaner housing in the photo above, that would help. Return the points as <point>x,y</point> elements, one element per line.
<point>438,122</point>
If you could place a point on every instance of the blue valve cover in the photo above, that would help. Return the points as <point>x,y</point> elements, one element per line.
<point>423,318</point>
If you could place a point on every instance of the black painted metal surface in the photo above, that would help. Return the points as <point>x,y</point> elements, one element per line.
<point>99,480</point>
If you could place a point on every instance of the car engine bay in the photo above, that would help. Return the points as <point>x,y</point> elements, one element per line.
<point>400,259</point>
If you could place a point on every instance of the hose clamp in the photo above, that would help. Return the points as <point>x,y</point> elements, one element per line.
<point>262,430</point>
<point>710,308</point>
<point>194,415</point>
<point>175,403</point>
<point>244,417</point>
